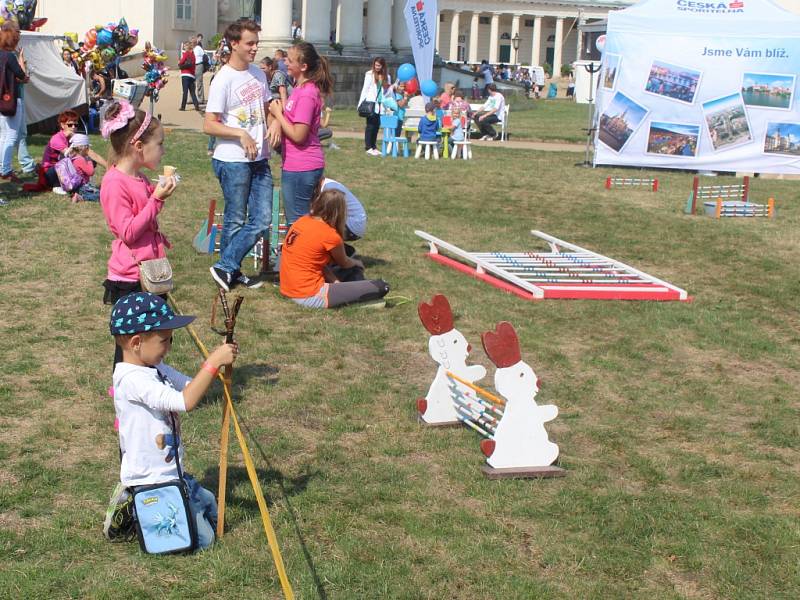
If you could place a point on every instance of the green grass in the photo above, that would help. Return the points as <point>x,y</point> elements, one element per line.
<point>529,120</point>
<point>677,424</point>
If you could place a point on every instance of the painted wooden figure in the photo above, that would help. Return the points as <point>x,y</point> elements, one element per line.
<point>520,439</point>
<point>449,349</point>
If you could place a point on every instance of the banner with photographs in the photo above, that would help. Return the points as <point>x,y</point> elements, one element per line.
<point>702,86</point>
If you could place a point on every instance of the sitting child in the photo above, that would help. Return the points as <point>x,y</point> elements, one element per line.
<point>78,152</point>
<point>148,395</point>
<point>457,128</point>
<point>428,125</point>
<point>312,243</point>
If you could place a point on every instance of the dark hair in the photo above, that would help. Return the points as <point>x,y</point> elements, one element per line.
<point>121,138</point>
<point>234,31</point>
<point>492,87</point>
<point>9,36</point>
<point>267,61</point>
<point>383,73</point>
<point>331,207</point>
<point>317,70</point>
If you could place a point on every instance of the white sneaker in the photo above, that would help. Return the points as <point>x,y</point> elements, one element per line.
<point>373,152</point>
<point>60,191</point>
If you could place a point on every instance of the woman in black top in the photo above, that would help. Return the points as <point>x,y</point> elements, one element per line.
<point>10,125</point>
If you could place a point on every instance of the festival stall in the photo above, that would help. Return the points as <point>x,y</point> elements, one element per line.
<point>700,85</point>
<point>54,87</point>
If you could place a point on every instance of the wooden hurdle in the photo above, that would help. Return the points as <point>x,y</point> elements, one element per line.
<point>566,272</point>
<point>651,182</point>
<point>710,193</point>
<point>735,208</point>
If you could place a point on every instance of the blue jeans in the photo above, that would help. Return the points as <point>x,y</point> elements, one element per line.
<point>247,190</point>
<point>9,133</point>
<point>297,188</point>
<point>203,506</point>
<point>89,192</point>
<point>24,157</point>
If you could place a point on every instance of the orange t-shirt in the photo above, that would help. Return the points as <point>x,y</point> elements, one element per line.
<point>306,250</point>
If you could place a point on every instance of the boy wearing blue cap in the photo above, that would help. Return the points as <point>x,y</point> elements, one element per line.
<point>148,395</point>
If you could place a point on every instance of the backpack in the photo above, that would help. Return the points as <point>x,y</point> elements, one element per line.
<point>68,175</point>
<point>8,88</point>
<point>206,62</point>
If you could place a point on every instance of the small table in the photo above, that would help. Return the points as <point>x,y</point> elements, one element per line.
<point>445,131</point>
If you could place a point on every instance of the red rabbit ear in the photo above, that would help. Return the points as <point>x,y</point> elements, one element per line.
<point>502,345</point>
<point>436,316</point>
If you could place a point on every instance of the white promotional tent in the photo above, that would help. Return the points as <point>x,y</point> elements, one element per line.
<point>54,87</point>
<point>705,85</point>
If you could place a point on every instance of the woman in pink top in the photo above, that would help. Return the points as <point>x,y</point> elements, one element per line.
<point>303,159</point>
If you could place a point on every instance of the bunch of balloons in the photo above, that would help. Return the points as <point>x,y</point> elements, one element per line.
<point>103,44</point>
<point>407,74</point>
<point>22,12</point>
<point>155,70</point>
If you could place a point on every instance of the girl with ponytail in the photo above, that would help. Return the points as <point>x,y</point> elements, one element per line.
<point>303,159</point>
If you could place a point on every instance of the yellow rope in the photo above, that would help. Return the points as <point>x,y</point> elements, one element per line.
<point>251,470</point>
<point>481,391</point>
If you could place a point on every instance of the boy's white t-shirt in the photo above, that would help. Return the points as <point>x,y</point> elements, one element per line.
<point>142,402</point>
<point>239,97</point>
<point>356,215</point>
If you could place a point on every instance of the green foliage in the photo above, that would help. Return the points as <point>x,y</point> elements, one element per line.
<point>566,70</point>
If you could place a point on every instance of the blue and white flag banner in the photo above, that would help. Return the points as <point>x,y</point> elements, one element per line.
<point>421,21</point>
<point>701,85</point>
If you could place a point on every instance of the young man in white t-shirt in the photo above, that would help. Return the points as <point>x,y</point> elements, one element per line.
<point>236,114</point>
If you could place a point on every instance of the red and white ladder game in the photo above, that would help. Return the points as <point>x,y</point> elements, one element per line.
<point>567,271</point>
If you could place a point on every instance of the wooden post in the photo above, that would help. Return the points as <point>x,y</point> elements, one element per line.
<point>746,193</point>
<point>212,206</point>
<point>608,183</point>
<point>719,207</point>
<point>655,184</point>
<point>770,207</point>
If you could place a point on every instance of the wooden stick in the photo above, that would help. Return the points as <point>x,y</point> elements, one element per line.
<point>474,387</point>
<point>719,207</point>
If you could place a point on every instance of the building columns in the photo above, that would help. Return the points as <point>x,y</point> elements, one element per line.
<point>316,23</point>
<point>473,37</point>
<point>579,43</point>
<point>494,38</point>
<point>400,39</point>
<point>379,26</point>
<point>557,45</point>
<point>454,25</point>
<point>350,25</point>
<point>536,44</point>
<point>276,30</point>
<point>514,32</point>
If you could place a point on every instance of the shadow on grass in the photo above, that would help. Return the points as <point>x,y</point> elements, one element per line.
<point>260,373</point>
<point>369,261</point>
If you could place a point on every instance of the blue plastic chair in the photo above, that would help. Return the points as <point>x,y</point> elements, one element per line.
<point>389,124</point>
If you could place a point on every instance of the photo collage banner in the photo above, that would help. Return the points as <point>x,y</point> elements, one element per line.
<point>700,102</point>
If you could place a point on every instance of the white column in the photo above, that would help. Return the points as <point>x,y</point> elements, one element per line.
<point>536,48</point>
<point>379,26</point>
<point>454,24</point>
<point>316,23</point>
<point>276,29</point>
<point>350,25</point>
<point>400,39</point>
<point>514,32</point>
<point>438,33</point>
<point>473,37</point>
<point>494,38</point>
<point>557,47</point>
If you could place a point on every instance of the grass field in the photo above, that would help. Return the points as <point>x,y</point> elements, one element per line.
<point>529,120</point>
<point>678,422</point>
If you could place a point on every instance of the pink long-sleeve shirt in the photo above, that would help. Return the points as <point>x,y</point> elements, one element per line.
<point>131,211</point>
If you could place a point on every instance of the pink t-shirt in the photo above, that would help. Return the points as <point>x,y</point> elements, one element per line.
<point>304,106</point>
<point>131,211</point>
<point>84,166</point>
<point>52,152</point>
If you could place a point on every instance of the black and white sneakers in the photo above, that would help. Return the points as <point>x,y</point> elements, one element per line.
<point>227,281</point>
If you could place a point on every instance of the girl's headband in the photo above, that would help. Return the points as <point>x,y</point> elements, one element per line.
<point>125,114</point>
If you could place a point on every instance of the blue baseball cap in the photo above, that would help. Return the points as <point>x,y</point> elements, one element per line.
<point>142,311</point>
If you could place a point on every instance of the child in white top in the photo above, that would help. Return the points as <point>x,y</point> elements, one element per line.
<point>148,395</point>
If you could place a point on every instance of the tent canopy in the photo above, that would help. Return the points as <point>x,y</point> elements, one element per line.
<point>54,87</point>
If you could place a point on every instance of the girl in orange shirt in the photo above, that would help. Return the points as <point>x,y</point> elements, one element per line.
<point>312,244</point>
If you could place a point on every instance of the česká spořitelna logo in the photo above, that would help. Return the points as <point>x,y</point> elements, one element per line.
<point>735,6</point>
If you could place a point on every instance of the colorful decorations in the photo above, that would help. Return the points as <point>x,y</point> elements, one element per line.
<point>406,72</point>
<point>22,12</point>
<point>105,44</point>
<point>155,70</point>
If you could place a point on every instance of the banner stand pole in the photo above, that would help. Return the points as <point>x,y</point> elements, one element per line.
<point>591,68</point>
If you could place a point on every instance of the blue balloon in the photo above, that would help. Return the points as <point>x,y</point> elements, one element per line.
<point>406,71</point>
<point>104,37</point>
<point>429,87</point>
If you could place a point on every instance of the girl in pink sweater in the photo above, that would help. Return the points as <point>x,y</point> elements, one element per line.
<point>130,202</point>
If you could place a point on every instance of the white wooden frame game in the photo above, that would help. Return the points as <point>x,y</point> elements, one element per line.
<point>651,182</point>
<point>567,271</point>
